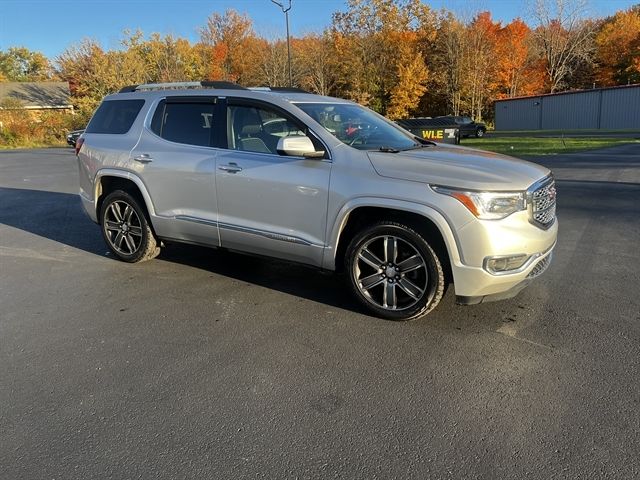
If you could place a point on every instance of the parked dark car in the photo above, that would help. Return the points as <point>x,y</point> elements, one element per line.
<point>467,126</point>
<point>72,137</point>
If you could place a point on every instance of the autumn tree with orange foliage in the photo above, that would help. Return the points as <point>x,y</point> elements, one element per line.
<point>518,70</point>
<point>618,43</point>
<point>93,72</point>
<point>170,59</point>
<point>396,56</point>
<point>379,44</point>
<point>270,67</point>
<point>229,37</point>
<point>448,64</point>
<point>482,36</point>
<point>411,76</point>
<point>316,63</point>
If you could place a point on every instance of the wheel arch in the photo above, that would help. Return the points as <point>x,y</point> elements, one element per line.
<point>423,219</point>
<point>109,180</point>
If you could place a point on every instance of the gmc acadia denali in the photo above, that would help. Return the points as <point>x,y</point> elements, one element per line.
<point>317,180</point>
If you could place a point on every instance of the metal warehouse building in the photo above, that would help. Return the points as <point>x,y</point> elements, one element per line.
<point>601,108</point>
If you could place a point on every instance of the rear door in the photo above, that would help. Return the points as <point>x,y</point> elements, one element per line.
<point>176,161</point>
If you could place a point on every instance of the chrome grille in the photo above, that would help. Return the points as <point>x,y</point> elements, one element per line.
<point>540,267</point>
<point>542,200</point>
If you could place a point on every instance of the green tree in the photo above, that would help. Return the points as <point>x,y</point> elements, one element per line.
<point>19,64</point>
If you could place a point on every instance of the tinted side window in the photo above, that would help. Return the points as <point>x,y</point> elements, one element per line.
<point>256,129</point>
<point>188,123</point>
<point>115,116</point>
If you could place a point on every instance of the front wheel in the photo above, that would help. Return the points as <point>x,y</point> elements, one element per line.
<point>126,229</point>
<point>394,272</point>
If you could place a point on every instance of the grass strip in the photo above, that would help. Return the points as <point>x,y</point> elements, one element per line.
<point>533,146</point>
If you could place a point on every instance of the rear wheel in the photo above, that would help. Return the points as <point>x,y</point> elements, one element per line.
<point>394,272</point>
<point>480,133</point>
<point>126,229</point>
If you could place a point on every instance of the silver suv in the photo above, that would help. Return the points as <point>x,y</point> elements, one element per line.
<point>316,180</point>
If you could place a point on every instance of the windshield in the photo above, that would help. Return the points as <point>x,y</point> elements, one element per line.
<point>359,127</point>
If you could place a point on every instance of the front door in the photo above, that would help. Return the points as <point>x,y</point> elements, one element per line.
<point>269,203</point>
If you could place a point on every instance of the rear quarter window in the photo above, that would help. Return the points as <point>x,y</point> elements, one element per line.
<point>115,116</point>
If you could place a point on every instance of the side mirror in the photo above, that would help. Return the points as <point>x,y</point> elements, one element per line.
<point>298,146</point>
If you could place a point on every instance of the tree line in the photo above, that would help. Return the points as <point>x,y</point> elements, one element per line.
<point>399,57</point>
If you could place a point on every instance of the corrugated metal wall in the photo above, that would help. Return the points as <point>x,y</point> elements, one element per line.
<point>572,110</point>
<point>606,108</point>
<point>518,114</point>
<point>620,108</point>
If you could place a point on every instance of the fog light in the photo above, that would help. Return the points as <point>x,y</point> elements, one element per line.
<point>504,264</point>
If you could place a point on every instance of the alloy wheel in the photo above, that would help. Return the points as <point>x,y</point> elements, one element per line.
<point>390,273</point>
<point>123,228</point>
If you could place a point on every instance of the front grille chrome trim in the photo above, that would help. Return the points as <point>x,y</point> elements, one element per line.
<point>541,203</point>
<point>541,266</point>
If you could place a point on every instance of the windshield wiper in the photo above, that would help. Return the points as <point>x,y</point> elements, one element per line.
<point>420,145</point>
<point>388,150</point>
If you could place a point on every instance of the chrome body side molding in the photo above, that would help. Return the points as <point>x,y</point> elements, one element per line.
<point>253,231</point>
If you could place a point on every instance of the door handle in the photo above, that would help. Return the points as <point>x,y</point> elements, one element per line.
<point>143,158</point>
<point>230,168</point>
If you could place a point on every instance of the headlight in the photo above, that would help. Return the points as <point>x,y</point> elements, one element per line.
<point>487,205</point>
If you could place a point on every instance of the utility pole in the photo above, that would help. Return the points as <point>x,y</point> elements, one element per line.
<point>285,10</point>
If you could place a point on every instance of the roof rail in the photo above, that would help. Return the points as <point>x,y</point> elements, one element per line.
<point>175,85</point>
<point>278,89</point>
<point>128,88</point>
<point>222,85</point>
<point>288,89</point>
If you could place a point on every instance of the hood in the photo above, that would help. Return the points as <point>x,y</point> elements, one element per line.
<point>459,167</point>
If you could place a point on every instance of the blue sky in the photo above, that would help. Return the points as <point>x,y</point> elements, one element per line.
<point>50,26</point>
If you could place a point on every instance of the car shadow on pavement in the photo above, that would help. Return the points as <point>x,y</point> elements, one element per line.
<point>291,278</point>
<point>59,217</point>
<point>54,215</point>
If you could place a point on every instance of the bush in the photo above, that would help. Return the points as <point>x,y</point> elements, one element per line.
<point>25,128</point>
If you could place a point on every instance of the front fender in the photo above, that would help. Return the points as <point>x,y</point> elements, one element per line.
<point>338,224</point>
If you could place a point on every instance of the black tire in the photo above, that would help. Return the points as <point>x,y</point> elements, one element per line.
<point>126,229</point>
<point>480,133</point>
<point>400,284</point>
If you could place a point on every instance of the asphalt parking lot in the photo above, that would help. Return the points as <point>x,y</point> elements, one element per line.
<point>207,364</point>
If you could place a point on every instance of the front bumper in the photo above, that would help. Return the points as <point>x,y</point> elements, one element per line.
<point>514,235</point>
<point>540,266</point>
